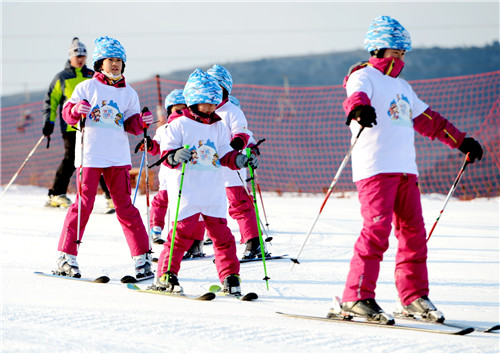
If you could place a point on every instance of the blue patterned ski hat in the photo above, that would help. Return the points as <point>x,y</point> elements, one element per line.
<point>173,98</point>
<point>107,47</point>
<point>202,88</point>
<point>77,48</point>
<point>234,101</point>
<point>386,32</point>
<point>223,76</point>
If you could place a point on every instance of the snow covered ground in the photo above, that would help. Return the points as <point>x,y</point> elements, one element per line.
<point>41,314</point>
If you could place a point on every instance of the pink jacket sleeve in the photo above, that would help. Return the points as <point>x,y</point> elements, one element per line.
<point>229,160</point>
<point>133,124</point>
<point>67,114</point>
<point>432,125</point>
<point>358,98</point>
<point>244,137</point>
<point>155,149</point>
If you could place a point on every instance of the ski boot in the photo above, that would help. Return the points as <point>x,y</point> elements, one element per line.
<point>252,249</point>
<point>168,282</point>
<point>142,265</point>
<point>67,266</point>
<point>231,285</point>
<point>367,309</point>
<point>58,201</point>
<point>195,251</point>
<point>208,241</point>
<point>156,235</point>
<point>421,308</point>
<point>110,206</point>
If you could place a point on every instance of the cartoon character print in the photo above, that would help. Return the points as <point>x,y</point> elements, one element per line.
<point>107,116</point>
<point>205,156</point>
<point>95,115</point>
<point>400,111</point>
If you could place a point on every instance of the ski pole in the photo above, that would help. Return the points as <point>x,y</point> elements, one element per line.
<point>262,249</point>
<point>174,230</point>
<point>262,203</point>
<point>79,184</point>
<point>268,239</point>
<point>330,190</point>
<point>145,129</point>
<point>450,193</point>
<point>138,178</point>
<point>23,164</point>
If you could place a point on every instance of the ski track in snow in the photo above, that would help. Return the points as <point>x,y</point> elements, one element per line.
<point>41,314</point>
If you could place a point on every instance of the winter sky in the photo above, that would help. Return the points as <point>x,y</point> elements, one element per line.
<point>162,36</point>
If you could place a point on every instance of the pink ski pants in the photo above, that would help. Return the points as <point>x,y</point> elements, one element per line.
<point>226,260</point>
<point>242,210</point>
<point>389,198</point>
<point>118,181</point>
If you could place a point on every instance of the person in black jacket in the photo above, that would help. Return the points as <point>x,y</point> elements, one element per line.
<point>59,91</point>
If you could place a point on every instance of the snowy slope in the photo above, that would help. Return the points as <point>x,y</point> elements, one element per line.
<point>41,314</point>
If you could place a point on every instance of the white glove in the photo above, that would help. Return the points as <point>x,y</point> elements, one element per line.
<point>82,107</point>
<point>147,117</point>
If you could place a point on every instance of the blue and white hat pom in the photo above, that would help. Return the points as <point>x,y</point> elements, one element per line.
<point>202,88</point>
<point>107,47</point>
<point>234,101</point>
<point>173,98</point>
<point>223,76</point>
<point>386,32</point>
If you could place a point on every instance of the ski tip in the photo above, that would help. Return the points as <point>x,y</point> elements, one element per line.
<point>492,328</point>
<point>214,288</point>
<point>206,297</point>
<point>464,331</point>
<point>249,297</point>
<point>128,279</point>
<point>133,286</point>
<point>102,279</point>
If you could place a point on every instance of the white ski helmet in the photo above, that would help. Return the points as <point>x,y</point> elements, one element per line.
<point>386,32</point>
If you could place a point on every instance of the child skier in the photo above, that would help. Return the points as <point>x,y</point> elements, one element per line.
<point>385,173</point>
<point>174,102</point>
<point>203,187</point>
<point>241,207</point>
<point>108,109</point>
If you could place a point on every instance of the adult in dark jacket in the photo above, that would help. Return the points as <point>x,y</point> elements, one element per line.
<point>59,91</point>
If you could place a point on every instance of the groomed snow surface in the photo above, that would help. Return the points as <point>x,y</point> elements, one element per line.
<point>41,314</point>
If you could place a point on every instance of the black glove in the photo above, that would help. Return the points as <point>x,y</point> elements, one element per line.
<point>254,149</point>
<point>243,161</point>
<point>365,115</point>
<point>237,143</point>
<point>48,128</point>
<point>182,155</point>
<point>471,146</point>
<point>140,146</point>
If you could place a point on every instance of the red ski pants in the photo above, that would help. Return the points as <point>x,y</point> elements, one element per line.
<point>118,181</point>
<point>226,260</point>
<point>389,198</point>
<point>242,210</point>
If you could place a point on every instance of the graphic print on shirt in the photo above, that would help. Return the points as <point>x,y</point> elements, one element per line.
<point>400,111</point>
<point>108,115</point>
<point>204,156</point>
